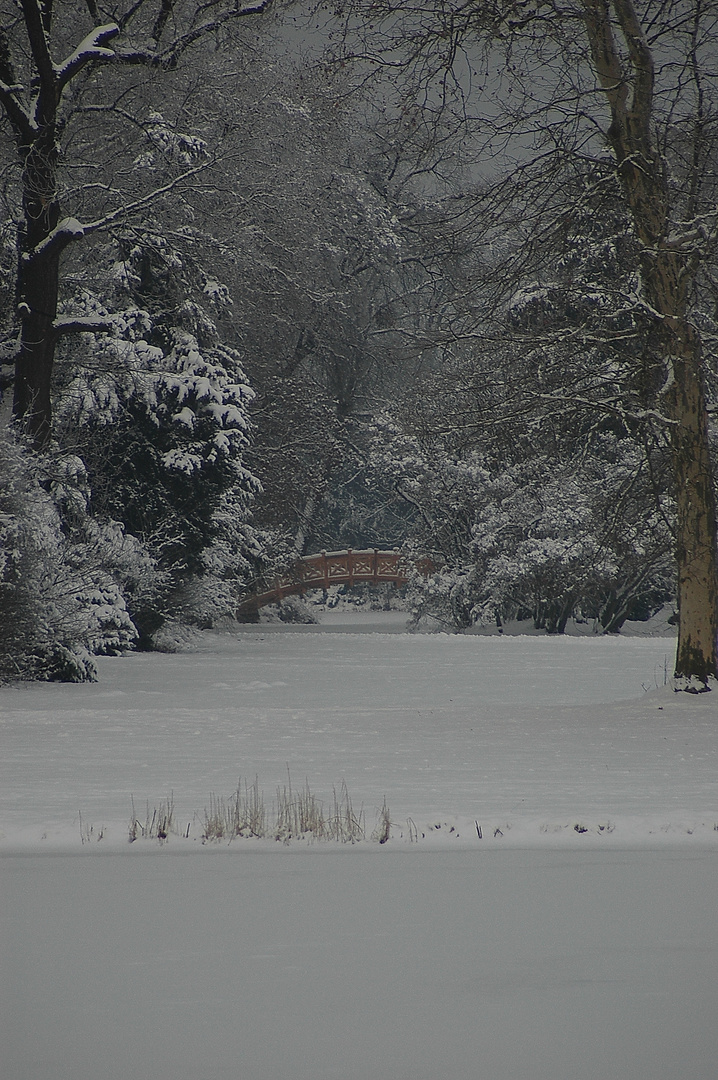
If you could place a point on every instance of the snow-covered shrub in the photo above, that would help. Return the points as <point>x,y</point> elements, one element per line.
<point>174,636</point>
<point>538,536</point>
<point>538,547</point>
<point>446,600</point>
<point>293,609</point>
<point>59,599</point>
<point>580,537</point>
<point>438,489</point>
<point>30,543</point>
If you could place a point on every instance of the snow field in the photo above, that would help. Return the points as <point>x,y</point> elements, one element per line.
<point>530,736</point>
<point>540,953</point>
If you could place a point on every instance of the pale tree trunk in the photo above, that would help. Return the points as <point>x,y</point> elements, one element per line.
<point>668,268</point>
<point>306,517</point>
<point>695,511</point>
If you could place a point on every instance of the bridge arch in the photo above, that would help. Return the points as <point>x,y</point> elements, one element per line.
<point>371,566</point>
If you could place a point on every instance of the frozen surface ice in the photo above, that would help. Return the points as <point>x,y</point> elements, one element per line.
<point>576,940</point>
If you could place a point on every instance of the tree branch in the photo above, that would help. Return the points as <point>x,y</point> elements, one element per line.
<point>605,56</point>
<point>643,72</point>
<point>90,48</point>
<point>81,325</point>
<point>23,124</point>
<point>166,7</point>
<point>169,56</point>
<point>64,233</point>
<point>122,211</point>
<point>37,37</point>
<point>9,87</point>
<point>70,229</point>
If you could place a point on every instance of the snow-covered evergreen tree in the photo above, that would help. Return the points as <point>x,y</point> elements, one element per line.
<point>159,412</point>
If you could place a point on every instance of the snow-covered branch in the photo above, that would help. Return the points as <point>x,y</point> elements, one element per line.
<point>70,229</point>
<point>254,9</point>
<point>156,193</point>
<point>90,48</point>
<point>614,407</point>
<point>167,58</point>
<point>64,233</point>
<point>81,324</point>
<point>696,233</point>
<point>16,114</point>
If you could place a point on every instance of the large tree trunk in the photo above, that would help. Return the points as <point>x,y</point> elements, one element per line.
<point>38,249</point>
<point>668,268</point>
<point>37,293</point>
<point>695,512</point>
<point>665,277</point>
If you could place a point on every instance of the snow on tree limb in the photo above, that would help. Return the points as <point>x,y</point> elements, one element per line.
<point>695,233</point>
<point>67,230</point>
<point>254,9</point>
<point>90,48</point>
<point>121,211</point>
<point>81,324</point>
<point>17,115</point>
<point>70,229</point>
<point>167,58</point>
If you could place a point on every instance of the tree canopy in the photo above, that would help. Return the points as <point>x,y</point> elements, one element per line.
<point>446,280</point>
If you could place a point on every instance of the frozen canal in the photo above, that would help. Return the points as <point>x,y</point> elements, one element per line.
<point>575,940</point>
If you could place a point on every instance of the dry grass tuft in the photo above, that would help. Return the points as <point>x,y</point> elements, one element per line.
<point>157,825</point>
<point>382,829</point>
<point>297,814</point>
<point>242,814</point>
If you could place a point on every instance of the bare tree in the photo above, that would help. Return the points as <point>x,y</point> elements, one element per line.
<point>43,55</point>
<point>546,82</point>
<point>671,250</point>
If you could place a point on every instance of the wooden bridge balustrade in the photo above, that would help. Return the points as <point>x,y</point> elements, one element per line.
<point>334,568</point>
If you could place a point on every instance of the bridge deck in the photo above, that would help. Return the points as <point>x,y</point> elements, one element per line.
<point>325,569</point>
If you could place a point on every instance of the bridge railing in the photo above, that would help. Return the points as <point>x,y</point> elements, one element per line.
<point>321,571</point>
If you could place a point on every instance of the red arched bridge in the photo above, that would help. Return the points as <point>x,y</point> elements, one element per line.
<point>335,568</point>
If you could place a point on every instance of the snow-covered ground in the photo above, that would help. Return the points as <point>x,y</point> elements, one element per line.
<point>531,735</point>
<point>575,939</point>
